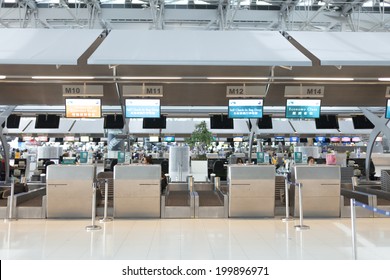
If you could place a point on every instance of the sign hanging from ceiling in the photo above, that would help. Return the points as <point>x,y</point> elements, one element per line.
<point>82,90</point>
<point>245,91</point>
<point>143,91</point>
<point>304,91</point>
<point>387,92</point>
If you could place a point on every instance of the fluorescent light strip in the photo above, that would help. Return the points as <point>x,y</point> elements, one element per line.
<point>2,77</point>
<point>62,77</point>
<point>384,79</point>
<point>321,79</point>
<point>237,78</point>
<point>150,78</point>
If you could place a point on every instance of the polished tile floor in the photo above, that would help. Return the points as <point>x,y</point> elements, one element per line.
<point>189,239</point>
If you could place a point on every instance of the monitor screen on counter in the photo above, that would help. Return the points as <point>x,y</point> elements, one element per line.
<point>245,108</point>
<point>142,108</point>
<point>83,108</point>
<point>303,108</point>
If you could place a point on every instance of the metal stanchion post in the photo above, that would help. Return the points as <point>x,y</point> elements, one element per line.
<point>286,196</point>
<point>191,183</point>
<point>105,218</point>
<point>353,228</point>
<point>301,226</point>
<point>11,201</point>
<point>217,183</point>
<point>93,227</point>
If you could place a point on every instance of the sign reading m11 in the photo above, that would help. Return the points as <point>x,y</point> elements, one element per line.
<point>304,91</point>
<point>144,90</point>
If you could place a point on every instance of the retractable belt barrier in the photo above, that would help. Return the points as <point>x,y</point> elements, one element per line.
<point>93,227</point>
<point>287,183</point>
<point>353,220</point>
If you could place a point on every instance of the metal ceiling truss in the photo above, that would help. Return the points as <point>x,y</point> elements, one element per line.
<point>285,15</point>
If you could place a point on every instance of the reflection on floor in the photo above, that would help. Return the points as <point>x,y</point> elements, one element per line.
<point>185,239</point>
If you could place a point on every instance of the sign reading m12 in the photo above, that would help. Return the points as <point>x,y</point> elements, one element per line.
<point>304,91</point>
<point>245,91</point>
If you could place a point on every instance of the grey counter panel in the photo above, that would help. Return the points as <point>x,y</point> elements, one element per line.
<point>69,191</point>
<point>320,190</point>
<point>137,191</point>
<point>251,190</point>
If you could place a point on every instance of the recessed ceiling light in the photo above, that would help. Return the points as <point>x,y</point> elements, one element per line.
<point>62,77</point>
<point>322,79</point>
<point>237,78</point>
<point>384,79</point>
<point>2,77</point>
<point>150,78</point>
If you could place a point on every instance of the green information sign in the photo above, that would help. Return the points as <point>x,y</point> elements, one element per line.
<point>298,157</point>
<point>260,157</point>
<point>83,157</point>
<point>121,157</point>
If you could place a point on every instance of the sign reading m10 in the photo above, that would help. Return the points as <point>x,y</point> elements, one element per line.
<point>304,91</point>
<point>82,90</point>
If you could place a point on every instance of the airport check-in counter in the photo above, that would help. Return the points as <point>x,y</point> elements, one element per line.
<point>137,191</point>
<point>210,202</point>
<point>69,191</point>
<point>321,186</point>
<point>251,190</point>
<point>178,201</point>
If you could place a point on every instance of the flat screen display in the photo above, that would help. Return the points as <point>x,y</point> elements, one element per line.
<point>237,139</point>
<point>221,122</point>
<point>303,108</point>
<point>294,139</point>
<point>245,108</point>
<point>169,138</point>
<point>47,121</point>
<point>69,139</point>
<point>83,108</point>
<point>113,122</point>
<point>265,122</point>
<point>84,138</point>
<point>142,108</point>
<point>320,139</point>
<point>361,122</point>
<point>13,121</point>
<point>154,139</point>
<point>327,122</point>
<point>388,109</point>
<point>334,139</point>
<point>356,139</point>
<point>346,139</point>
<point>154,123</point>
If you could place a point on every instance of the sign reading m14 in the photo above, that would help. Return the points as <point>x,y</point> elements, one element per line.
<point>304,91</point>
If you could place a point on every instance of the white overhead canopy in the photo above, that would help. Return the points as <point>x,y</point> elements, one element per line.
<point>185,47</point>
<point>45,46</point>
<point>346,48</point>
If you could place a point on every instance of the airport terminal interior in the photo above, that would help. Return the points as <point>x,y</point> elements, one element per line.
<point>190,130</point>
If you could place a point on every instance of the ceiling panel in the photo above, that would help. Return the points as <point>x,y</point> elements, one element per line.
<point>45,46</point>
<point>346,48</point>
<point>191,47</point>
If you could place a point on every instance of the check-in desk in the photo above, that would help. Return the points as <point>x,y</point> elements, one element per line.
<point>251,190</point>
<point>321,186</point>
<point>69,191</point>
<point>210,202</point>
<point>137,191</point>
<point>178,201</point>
